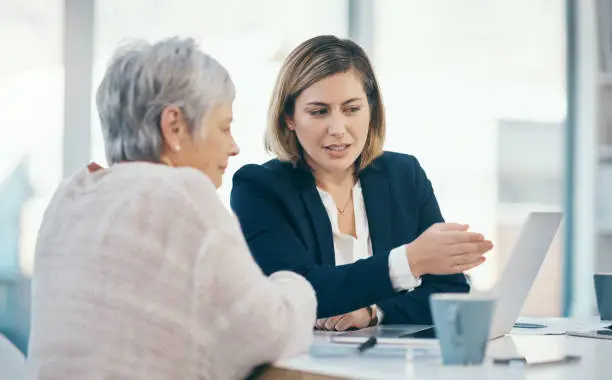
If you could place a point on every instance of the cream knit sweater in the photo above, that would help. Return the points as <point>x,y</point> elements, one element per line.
<point>141,273</point>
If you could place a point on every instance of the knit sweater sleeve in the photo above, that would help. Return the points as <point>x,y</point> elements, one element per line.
<point>257,319</point>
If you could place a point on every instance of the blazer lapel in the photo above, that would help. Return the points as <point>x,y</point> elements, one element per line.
<point>318,217</point>
<point>377,198</point>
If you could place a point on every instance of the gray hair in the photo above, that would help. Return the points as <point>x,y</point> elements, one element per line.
<point>142,80</point>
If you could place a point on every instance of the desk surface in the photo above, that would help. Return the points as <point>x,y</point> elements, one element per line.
<point>596,362</point>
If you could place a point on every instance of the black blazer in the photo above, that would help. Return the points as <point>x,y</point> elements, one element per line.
<point>287,228</point>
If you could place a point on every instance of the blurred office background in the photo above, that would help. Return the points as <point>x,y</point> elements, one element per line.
<point>498,99</point>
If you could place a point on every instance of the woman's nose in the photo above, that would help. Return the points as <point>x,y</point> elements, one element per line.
<point>337,126</point>
<point>234,150</point>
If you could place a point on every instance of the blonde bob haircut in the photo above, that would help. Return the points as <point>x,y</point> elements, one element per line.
<point>312,61</point>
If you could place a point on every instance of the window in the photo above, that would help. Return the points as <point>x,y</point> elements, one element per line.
<point>234,32</point>
<point>31,118</point>
<point>453,74</point>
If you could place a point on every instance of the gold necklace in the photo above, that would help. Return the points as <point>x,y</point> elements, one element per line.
<point>342,210</point>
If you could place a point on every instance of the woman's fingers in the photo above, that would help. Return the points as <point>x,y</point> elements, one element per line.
<point>330,324</point>
<point>451,226</point>
<point>455,237</point>
<point>320,323</point>
<point>344,323</point>
<point>466,259</point>
<point>463,248</point>
<point>465,267</point>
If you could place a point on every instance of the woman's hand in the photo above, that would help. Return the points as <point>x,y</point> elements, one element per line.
<point>446,248</point>
<point>358,319</point>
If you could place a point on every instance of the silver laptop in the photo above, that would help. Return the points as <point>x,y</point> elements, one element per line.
<point>511,289</point>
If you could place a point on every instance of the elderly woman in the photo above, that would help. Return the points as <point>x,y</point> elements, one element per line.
<point>141,273</point>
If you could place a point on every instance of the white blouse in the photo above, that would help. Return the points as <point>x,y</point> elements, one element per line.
<point>348,249</point>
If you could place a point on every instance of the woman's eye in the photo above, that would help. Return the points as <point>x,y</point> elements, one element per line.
<point>318,112</point>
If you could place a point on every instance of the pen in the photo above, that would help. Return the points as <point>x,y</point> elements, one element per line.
<point>371,342</point>
<point>522,361</point>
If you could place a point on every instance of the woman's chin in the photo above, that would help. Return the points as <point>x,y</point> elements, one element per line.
<point>334,164</point>
<point>338,166</point>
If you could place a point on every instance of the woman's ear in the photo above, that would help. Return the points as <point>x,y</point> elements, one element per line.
<point>290,123</point>
<point>173,127</point>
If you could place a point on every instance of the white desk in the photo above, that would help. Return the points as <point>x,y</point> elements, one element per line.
<point>596,360</point>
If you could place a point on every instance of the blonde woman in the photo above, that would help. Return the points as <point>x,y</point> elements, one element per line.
<point>140,271</point>
<point>362,225</point>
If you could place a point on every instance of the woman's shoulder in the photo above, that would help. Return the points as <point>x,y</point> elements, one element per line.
<point>168,179</point>
<point>393,160</point>
<point>185,190</point>
<point>146,184</point>
<point>159,172</point>
<point>272,168</point>
<point>275,182</point>
<point>395,166</point>
<point>272,174</point>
